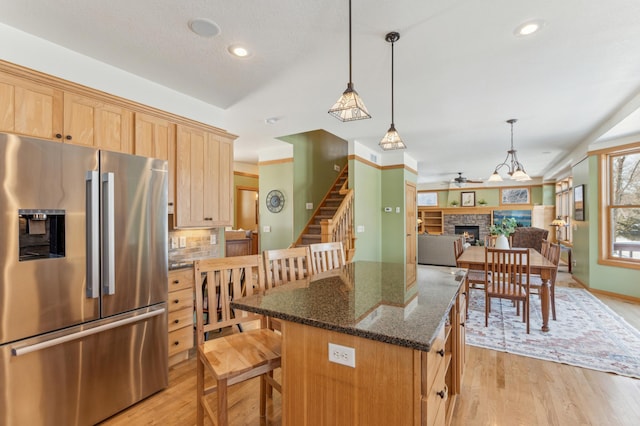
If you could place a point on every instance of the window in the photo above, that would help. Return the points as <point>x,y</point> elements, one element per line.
<point>564,202</point>
<point>621,220</point>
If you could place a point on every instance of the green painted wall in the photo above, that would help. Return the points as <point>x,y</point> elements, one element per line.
<point>549,194</point>
<point>315,154</point>
<point>492,196</point>
<point>244,181</point>
<point>366,181</point>
<point>276,176</point>
<point>585,241</point>
<point>393,223</point>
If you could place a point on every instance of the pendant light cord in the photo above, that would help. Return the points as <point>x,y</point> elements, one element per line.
<point>350,81</point>
<point>392,103</point>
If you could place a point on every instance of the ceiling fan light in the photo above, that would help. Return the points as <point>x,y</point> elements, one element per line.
<point>349,106</point>
<point>495,177</point>
<point>392,140</point>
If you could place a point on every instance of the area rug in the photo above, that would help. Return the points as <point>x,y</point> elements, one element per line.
<point>587,333</point>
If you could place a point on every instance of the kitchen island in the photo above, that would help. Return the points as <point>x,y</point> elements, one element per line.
<point>361,348</point>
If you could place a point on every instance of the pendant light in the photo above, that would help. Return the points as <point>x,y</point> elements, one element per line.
<point>349,107</point>
<point>515,169</point>
<point>391,139</point>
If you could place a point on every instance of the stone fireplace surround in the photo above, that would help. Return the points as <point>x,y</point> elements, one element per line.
<point>483,221</point>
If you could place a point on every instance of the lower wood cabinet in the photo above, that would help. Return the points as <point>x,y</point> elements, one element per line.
<point>180,305</point>
<point>389,384</point>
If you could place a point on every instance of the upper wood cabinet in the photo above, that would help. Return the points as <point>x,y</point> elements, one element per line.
<point>92,122</point>
<point>156,137</point>
<point>29,108</point>
<point>204,178</point>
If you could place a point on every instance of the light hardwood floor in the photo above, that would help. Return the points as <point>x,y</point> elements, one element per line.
<point>498,389</point>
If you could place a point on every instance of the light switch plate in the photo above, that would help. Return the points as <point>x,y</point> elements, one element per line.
<point>266,228</point>
<point>183,242</point>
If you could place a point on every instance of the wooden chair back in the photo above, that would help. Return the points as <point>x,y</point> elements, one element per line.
<point>509,271</point>
<point>285,265</point>
<point>327,256</point>
<point>458,248</point>
<point>218,282</point>
<point>544,248</point>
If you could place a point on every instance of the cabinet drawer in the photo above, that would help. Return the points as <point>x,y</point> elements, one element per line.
<point>434,402</point>
<point>180,318</point>
<point>181,279</point>
<point>180,340</point>
<point>435,358</point>
<point>181,299</point>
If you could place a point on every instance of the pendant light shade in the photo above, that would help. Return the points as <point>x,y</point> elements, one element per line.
<point>515,169</point>
<point>349,106</point>
<point>391,139</point>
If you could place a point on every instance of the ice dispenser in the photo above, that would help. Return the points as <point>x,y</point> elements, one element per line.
<point>41,234</point>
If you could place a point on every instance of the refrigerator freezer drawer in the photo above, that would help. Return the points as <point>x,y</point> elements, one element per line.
<point>85,374</point>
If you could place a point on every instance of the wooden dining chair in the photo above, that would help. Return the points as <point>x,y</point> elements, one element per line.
<point>475,278</point>
<point>535,283</point>
<point>325,256</point>
<point>544,248</point>
<point>509,271</point>
<point>236,356</point>
<point>285,265</point>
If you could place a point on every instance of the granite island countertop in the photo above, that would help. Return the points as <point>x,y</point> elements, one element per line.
<point>366,299</point>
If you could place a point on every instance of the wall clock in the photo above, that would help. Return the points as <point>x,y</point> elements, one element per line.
<point>275,201</point>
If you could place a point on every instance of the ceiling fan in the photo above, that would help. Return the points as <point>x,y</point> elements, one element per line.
<point>461,180</point>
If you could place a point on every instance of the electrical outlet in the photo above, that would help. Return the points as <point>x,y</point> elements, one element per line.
<point>397,209</point>
<point>360,228</point>
<point>336,167</point>
<point>213,239</point>
<point>342,355</point>
<point>174,243</point>
<point>183,242</point>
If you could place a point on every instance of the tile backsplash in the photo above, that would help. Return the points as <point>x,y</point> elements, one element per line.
<point>198,244</point>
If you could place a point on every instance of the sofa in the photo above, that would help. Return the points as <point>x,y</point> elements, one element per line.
<point>436,249</point>
<point>529,237</point>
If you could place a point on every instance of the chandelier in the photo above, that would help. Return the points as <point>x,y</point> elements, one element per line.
<point>515,169</point>
<point>391,139</point>
<point>349,106</point>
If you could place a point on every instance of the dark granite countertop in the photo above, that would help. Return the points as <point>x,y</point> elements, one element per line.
<point>366,299</point>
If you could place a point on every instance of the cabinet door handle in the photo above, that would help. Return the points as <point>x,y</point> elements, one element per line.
<point>176,343</point>
<point>461,324</point>
<point>58,136</point>
<point>68,137</point>
<point>176,281</point>
<point>176,321</point>
<point>441,352</point>
<point>176,301</point>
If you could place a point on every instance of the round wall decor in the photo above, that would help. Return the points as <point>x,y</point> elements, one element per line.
<point>275,201</point>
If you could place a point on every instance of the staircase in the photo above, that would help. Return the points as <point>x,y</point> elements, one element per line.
<point>333,219</point>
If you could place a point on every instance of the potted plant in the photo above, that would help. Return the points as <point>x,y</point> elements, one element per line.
<point>503,230</point>
<point>482,202</point>
<point>454,203</point>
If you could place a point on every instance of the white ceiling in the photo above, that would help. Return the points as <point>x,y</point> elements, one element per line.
<point>460,72</point>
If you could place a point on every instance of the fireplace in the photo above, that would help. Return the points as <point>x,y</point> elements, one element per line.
<point>471,232</point>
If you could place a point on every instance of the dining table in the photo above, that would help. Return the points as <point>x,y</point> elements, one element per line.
<point>473,257</point>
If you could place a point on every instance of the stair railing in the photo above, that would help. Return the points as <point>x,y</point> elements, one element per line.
<point>340,227</point>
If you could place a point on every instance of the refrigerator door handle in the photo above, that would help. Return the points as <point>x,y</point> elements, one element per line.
<point>18,351</point>
<point>93,233</point>
<point>108,238</point>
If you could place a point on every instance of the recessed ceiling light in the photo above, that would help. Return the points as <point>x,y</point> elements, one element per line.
<point>272,120</point>
<point>238,51</point>
<point>204,27</point>
<point>529,27</point>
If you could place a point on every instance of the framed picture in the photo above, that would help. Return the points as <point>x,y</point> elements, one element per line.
<point>522,217</point>
<point>578,202</point>
<point>468,199</point>
<point>429,199</point>
<point>515,196</point>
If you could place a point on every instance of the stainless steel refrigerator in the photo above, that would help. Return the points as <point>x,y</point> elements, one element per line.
<point>83,281</point>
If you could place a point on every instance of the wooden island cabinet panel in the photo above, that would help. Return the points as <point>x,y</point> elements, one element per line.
<point>383,388</point>
<point>180,317</point>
